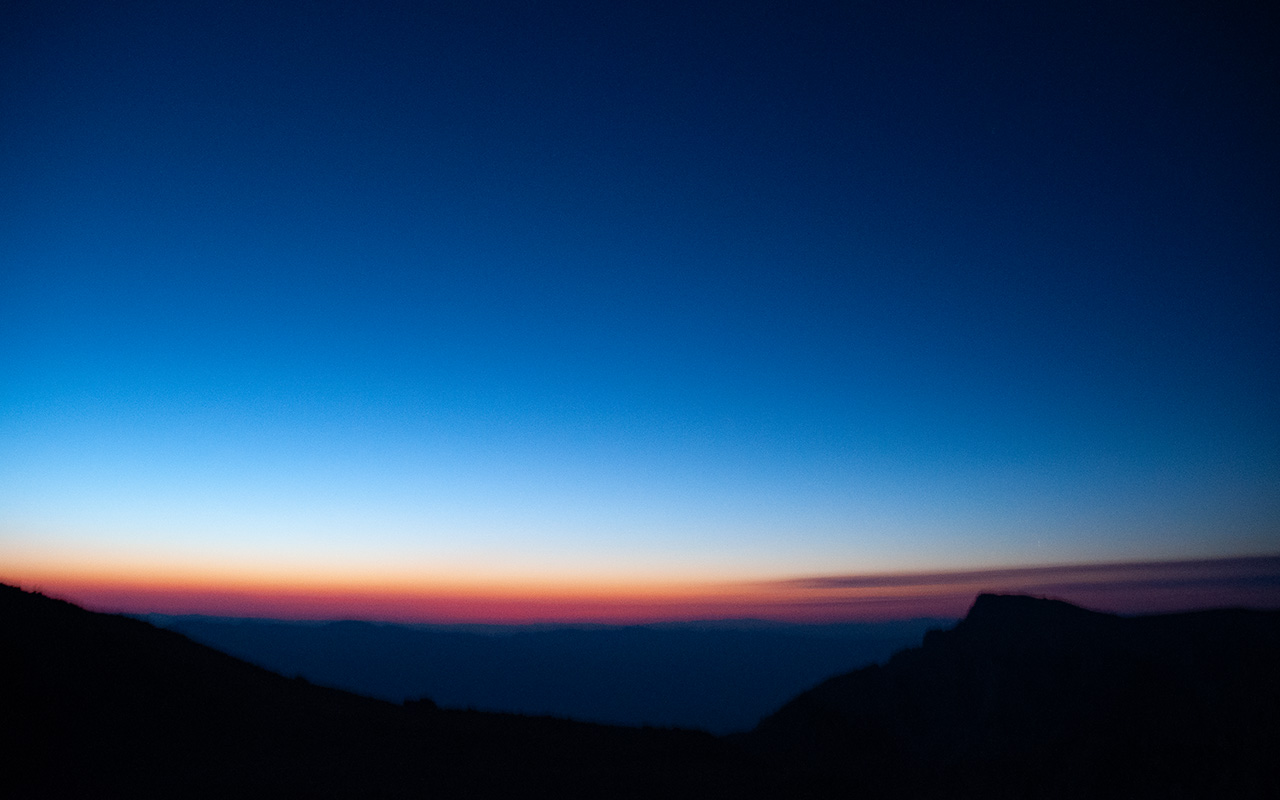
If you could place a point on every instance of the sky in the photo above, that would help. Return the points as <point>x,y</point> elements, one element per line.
<point>566,310</point>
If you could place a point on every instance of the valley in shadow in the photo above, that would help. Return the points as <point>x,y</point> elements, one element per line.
<point>721,676</point>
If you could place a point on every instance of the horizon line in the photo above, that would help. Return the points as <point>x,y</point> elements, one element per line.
<point>1140,586</point>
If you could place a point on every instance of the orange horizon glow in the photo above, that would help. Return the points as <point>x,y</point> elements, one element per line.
<point>1137,587</point>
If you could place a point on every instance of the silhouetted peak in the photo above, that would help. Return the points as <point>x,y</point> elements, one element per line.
<point>1013,612</point>
<point>1030,697</point>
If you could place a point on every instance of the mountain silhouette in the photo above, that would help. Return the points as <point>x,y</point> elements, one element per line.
<point>1023,698</point>
<point>1028,697</point>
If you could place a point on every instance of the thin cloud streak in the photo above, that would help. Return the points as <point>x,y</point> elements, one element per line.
<point>1237,567</point>
<point>1134,587</point>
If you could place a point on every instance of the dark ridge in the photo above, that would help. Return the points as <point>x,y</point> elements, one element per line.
<point>99,705</point>
<point>1029,697</point>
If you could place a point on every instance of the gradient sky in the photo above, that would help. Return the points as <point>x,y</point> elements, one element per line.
<point>506,299</point>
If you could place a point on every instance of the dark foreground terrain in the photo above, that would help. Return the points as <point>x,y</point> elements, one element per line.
<point>1024,698</point>
<point>1038,698</point>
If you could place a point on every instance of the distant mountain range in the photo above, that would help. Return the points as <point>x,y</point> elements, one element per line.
<point>721,676</point>
<point>1023,698</point>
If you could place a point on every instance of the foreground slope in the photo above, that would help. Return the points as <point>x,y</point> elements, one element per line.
<point>1024,698</point>
<point>98,705</point>
<point>1038,698</point>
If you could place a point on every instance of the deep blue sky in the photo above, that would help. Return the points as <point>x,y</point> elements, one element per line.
<point>674,290</point>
